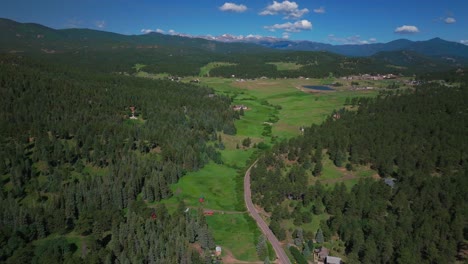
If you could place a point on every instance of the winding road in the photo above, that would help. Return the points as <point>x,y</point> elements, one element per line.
<point>280,254</point>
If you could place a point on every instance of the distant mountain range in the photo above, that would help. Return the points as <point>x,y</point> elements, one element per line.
<point>435,47</point>
<point>170,50</point>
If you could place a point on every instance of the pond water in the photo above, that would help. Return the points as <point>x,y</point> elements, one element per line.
<point>318,87</point>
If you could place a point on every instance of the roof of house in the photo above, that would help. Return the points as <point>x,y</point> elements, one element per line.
<point>333,260</point>
<point>323,253</point>
<point>390,182</point>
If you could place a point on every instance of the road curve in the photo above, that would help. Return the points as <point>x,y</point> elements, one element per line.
<point>280,254</point>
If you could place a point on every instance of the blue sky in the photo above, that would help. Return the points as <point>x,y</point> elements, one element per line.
<point>329,21</point>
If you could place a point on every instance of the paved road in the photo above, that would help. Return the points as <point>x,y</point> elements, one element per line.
<point>280,254</point>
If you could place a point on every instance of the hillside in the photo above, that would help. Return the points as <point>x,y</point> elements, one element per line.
<point>30,37</point>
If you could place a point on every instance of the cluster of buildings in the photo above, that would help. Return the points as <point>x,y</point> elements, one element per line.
<point>370,77</point>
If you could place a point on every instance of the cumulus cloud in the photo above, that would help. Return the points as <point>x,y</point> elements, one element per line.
<point>320,10</point>
<point>351,40</point>
<point>405,29</point>
<point>146,31</point>
<point>100,24</point>
<point>286,35</point>
<point>449,20</point>
<point>290,10</point>
<point>233,7</point>
<point>464,41</point>
<point>291,27</point>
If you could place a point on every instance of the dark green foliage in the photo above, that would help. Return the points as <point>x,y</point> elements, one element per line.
<point>246,142</point>
<point>297,255</point>
<point>261,247</point>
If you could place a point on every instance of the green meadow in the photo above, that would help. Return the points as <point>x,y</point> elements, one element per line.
<point>276,109</point>
<point>205,70</point>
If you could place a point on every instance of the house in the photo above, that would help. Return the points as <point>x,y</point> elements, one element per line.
<point>390,182</point>
<point>239,107</point>
<point>336,116</point>
<point>218,250</point>
<point>208,213</point>
<point>333,260</point>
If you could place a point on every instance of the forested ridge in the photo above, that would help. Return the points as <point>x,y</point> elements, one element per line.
<point>76,172</point>
<point>184,56</point>
<point>418,139</point>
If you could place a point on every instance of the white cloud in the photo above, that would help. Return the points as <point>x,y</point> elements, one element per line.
<point>449,20</point>
<point>290,10</point>
<point>146,31</point>
<point>100,24</point>
<point>464,41</point>
<point>291,27</point>
<point>405,29</point>
<point>351,40</point>
<point>286,35</point>
<point>172,32</point>
<point>233,7</point>
<point>320,10</point>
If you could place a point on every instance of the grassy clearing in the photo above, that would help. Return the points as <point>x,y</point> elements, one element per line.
<point>237,233</point>
<point>205,70</point>
<point>214,182</point>
<point>151,75</point>
<point>139,66</point>
<point>285,66</point>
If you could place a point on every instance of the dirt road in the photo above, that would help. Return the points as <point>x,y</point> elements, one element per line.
<point>280,254</point>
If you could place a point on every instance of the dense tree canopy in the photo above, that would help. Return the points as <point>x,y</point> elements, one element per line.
<point>416,137</point>
<point>74,164</point>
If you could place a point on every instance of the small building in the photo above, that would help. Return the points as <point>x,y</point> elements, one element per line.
<point>208,213</point>
<point>239,107</point>
<point>336,116</point>
<point>218,250</point>
<point>390,182</point>
<point>333,260</point>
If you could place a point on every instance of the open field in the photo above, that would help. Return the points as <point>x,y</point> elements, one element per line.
<point>205,70</point>
<point>236,233</point>
<point>285,66</point>
<point>299,106</point>
<point>216,183</point>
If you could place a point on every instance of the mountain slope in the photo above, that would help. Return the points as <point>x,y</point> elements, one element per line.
<point>29,37</point>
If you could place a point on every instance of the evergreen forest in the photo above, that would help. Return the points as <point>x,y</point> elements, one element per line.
<point>74,164</point>
<point>415,213</point>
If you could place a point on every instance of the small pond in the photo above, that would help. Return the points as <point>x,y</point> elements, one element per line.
<point>318,87</point>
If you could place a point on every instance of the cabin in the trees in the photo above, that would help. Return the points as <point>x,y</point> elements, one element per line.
<point>390,182</point>
<point>218,251</point>
<point>208,213</point>
<point>239,107</point>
